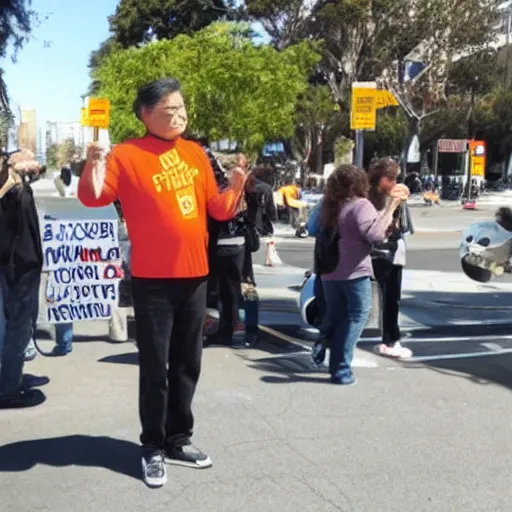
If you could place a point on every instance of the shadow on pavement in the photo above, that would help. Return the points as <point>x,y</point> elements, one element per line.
<point>79,450</point>
<point>493,369</point>
<point>127,358</point>
<point>286,362</point>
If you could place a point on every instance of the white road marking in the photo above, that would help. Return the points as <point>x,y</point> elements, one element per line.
<point>462,355</point>
<point>492,346</point>
<point>493,349</point>
<point>438,339</point>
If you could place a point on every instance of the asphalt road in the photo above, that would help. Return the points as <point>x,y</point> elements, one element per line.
<point>427,252</point>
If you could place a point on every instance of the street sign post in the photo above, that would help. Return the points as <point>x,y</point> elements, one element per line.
<point>363,114</point>
<point>366,100</point>
<point>96,115</point>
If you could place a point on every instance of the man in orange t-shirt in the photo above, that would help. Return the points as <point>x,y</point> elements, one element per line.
<point>166,188</point>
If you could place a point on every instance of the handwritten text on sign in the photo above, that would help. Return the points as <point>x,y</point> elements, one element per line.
<point>83,260</point>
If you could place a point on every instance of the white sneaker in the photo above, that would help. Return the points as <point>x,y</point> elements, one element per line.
<point>154,471</point>
<point>395,351</point>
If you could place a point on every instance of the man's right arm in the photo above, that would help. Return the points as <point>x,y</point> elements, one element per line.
<point>99,180</point>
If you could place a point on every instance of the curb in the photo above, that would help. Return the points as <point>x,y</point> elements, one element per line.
<point>429,304</point>
<point>434,230</point>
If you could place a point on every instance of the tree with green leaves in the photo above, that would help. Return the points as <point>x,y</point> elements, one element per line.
<point>59,155</point>
<point>52,156</point>
<point>235,90</point>
<point>285,21</point>
<point>471,77</point>
<point>315,112</point>
<point>16,22</point>
<point>135,22</point>
<point>372,39</point>
<point>446,31</point>
<point>96,57</point>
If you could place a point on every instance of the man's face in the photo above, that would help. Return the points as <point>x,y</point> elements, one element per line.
<point>168,118</point>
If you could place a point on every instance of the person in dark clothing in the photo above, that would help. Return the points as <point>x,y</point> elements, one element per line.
<point>21,261</point>
<point>261,209</point>
<point>227,250</point>
<point>261,212</point>
<point>319,350</point>
<point>388,257</point>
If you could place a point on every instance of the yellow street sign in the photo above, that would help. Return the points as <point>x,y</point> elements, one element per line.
<point>364,107</point>
<point>98,113</point>
<point>385,99</point>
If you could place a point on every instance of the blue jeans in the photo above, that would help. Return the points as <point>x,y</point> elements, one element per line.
<point>20,301</point>
<point>348,307</point>
<point>64,336</point>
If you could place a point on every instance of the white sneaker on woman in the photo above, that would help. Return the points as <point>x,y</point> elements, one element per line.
<point>395,351</point>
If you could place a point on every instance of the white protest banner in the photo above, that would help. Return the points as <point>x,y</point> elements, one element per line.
<point>83,259</point>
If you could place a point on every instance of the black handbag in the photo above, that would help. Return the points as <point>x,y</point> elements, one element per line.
<point>252,237</point>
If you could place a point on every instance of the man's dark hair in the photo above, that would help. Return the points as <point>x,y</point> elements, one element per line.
<point>150,94</point>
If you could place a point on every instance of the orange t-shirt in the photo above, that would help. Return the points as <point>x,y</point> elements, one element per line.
<point>166,189</point>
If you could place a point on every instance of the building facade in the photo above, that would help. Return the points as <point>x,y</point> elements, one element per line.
<point>58,132</point>
<point>27,129</point>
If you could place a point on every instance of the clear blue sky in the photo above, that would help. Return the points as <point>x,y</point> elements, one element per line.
<point>52,79</point>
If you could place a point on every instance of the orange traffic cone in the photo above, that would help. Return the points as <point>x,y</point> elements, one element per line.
<point>272,259</point>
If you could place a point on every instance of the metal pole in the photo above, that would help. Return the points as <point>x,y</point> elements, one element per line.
<point>359,153</point>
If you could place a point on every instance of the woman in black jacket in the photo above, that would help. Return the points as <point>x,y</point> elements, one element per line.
<point>388,257</point>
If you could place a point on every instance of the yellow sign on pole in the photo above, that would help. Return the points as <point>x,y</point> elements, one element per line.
<point>98,113</point>
<point>386,99</point>
<point>364,106</point>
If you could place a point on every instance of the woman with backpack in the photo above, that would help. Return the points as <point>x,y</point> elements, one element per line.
<point>388,257</point>
<point>350,226</point>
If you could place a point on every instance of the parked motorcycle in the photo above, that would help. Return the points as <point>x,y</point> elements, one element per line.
<point>486,248</point>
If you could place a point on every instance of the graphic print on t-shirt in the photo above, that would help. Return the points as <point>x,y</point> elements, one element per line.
<point>178,176</point>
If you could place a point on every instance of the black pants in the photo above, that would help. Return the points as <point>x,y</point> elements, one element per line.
<point>248,271</point>
<point>230,263</point>
<point>389,277</point>
<point>19,302</point>
<point>169,317</point>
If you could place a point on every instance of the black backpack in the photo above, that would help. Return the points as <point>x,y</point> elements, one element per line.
<point>326,251</point>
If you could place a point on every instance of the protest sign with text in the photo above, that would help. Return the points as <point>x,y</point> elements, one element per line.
<point>83,260</point>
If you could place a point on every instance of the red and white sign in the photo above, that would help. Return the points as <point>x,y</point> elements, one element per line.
<point>452,145</point>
